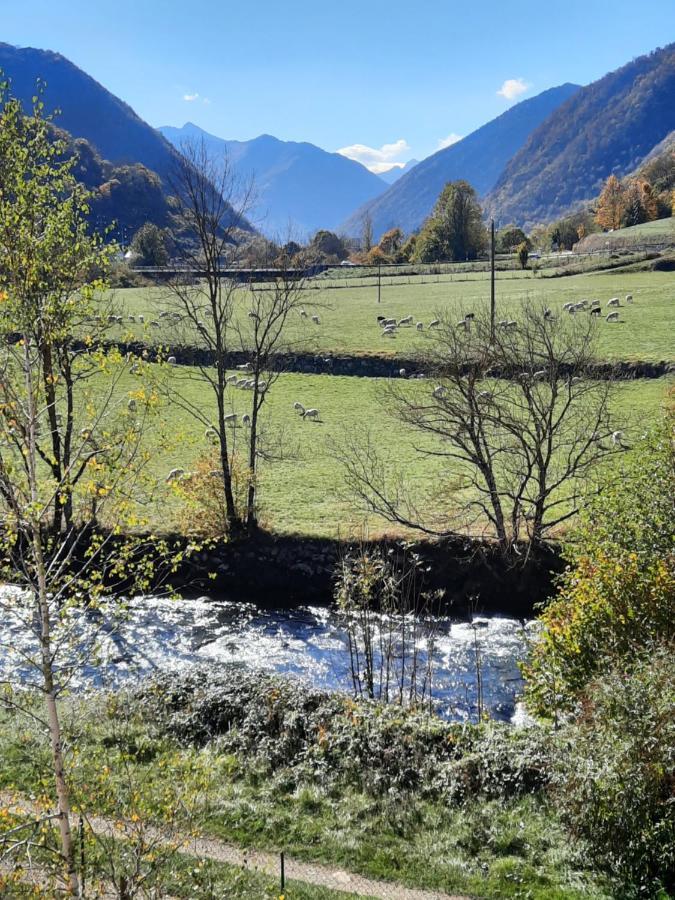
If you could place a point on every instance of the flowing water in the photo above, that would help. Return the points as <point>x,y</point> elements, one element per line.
<point>308,642</point>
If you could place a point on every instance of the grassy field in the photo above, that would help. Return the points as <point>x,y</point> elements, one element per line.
<point>305,492</point>
<point>348,314</point>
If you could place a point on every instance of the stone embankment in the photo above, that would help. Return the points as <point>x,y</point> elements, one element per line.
<point>372,365</point>
<point>268,568</point>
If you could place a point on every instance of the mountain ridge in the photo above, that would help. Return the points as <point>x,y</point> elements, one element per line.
<point>478,158</point>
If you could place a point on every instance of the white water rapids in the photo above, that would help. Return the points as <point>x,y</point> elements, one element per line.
<point>309,642</point>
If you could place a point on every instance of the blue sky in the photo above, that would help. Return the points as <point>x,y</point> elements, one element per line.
<point>385,82</point>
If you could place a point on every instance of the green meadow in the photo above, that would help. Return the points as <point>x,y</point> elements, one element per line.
<point>305,491</point>
<point>348,314</point>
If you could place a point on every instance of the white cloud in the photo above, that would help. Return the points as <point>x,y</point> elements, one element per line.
<point>192,98</point>
<point>377,160</point>
<point>449,140</point>
<point>512,88</point>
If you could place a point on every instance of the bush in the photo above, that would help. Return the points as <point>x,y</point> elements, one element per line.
<point>617,599</point>
<point>328,739</point>
<point>616,775</point>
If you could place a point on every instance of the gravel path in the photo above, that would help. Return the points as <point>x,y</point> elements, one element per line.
<point>255,860</point>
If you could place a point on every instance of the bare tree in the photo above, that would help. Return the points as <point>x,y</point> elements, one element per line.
<point>521,419</point>
<point>264,338</point>
<point>211,210</point>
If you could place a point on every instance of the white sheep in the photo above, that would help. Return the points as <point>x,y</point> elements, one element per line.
<point>420,326</point>
<point>132,319</point>
<point>141,319</point>
<point>231,379</point>
<point>244,367</point>
<point>629,298</point>
<point>434,323</point>
<point>131,405</point>
<point>173,475</point>
<point>252,314</point>
<point>316,320</point>
<point>311,414</point>
<point>246,419</point>
<point>466,325</point>
<point>155,323</point>
<point>612,317</point>
<point>387,323</point>
<point>617,440</point>
<point>596,311</point>
<point>567,307</point>
<point>614,302</point>
<point>303,313</point>
<point>439,392</point>
<point>299,407</point>
<point>408,320</point>
<point>171,360</point>
<point>135,369</point>
<point>540,375</point>
<point>211,435</point>
<point>401,372</point>
<point>230,419</point>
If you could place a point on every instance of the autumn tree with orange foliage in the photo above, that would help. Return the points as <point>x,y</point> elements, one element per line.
<point>612,204</point>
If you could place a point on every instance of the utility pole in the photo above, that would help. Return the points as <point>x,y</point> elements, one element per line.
<point>492,280</point>
<point>379,281</point>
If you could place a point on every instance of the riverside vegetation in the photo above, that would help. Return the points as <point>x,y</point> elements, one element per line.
<point>577,804</point>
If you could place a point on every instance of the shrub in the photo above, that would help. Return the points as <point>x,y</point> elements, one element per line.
<point>617,598</point>
<point>616,774</point>
<point>328,739</point>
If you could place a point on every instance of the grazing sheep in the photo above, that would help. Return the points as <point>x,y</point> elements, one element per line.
<point>316,320</point>
<point>244,367</point>
<point>484,395</point>
<point>380,319</point>
<point>230,418</point>
<point>303,313</point>
<point>386,323</point>
<point>135,369</point>
<point>629,298</point>
<point>253,315</point>
<point>155,323</point>
<point>246,419</point>
<point>540,375</point>
<point>420,326</point>
<point>171,360</point>
<point>614,302</point>
<point>300,408</point>
<point>141,319</point>
<point>463,324</point>
<point>211,435</point>
<point>439,392</point>
<point>617,440</point>
<point>408,320</point>
<point>131,405</point>
<point>231,379</point>
<point>311,414</point>
<point>262,387</point>
<point>567,307</point>
<point>389,332</point>
<point>434,323</point>
<point>596,311</point>
<point>173,475</point>
<point>470,316</point>
<point>512,325</point>
<point>401,372</point>
<point>504,323</point>
<point>132,319</point>
<point>164,313</point>
<point>612,317</point>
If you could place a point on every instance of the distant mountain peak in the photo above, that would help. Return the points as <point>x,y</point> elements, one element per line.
<point>298,186</point>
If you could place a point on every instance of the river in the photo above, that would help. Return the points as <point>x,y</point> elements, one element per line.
<point>308,642</point>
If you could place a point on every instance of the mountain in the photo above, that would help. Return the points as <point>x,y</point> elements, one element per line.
<point>478,158</point>
<point>394,174</point>
<point>606,128</point>
<point>87,109</point>
<point>298,187</point>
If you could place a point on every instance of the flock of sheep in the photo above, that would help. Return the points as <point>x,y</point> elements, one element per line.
<point>594,307</point>
<point>390,326</point>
